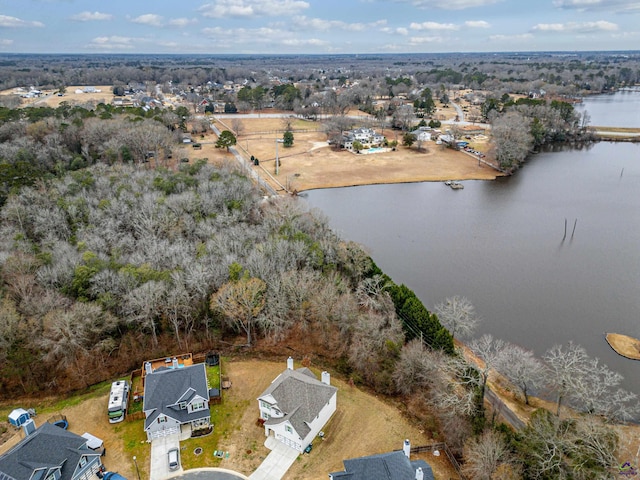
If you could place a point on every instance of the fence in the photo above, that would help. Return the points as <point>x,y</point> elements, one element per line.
<point>441,447</point>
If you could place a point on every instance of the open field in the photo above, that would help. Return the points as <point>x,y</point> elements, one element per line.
<point>312,163</point>
<point>51,99</point>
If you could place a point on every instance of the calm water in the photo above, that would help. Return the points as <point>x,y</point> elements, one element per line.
<point>499,243</point>
<point>619,109</point>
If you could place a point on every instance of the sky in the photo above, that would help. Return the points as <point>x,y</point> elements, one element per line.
<point>317,26</point>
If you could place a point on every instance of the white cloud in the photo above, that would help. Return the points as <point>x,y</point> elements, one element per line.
<point>13,22</point>
<point>91,16</point>
<point>511,38</point>
<point>112,43</point>
<point>320,25</point>
<point>575,27</point>
<point>148,19</point>
<point>182,22</point>
<point>609,5</point>
<point>402,31</point>
<point>297,42</point>
<point>477,24</point>
<point>433,26</point>
<point>423,40</point>
<point>5,42</point>
<point>449,4</point>
<point>252,8</point>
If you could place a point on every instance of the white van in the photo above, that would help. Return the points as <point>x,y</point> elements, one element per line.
<point>174,459</point>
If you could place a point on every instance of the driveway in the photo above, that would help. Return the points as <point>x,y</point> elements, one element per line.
<point>159,464</point>
<point>277,462</point>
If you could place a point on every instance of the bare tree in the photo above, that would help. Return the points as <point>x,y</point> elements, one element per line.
<point>521,367</point>
<point>417,367</point>
<point>489,350</point>
<point>488,456</point>
<point>241,302</point>
<point>458,315</point>
<point>562,365</point>
<point>237,126</point>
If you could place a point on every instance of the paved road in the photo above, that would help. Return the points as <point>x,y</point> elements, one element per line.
<point>209,474</point>
<point>499,406</point>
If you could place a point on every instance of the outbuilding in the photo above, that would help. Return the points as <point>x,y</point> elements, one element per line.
<point>18,417</point>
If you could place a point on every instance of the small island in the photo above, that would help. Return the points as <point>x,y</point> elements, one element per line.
<point>624,345</point>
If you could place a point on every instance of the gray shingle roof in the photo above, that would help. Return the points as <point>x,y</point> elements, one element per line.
<point>165,388</point>
<point>385,466</point>
<point>300,396</point>
<point>49,447</point>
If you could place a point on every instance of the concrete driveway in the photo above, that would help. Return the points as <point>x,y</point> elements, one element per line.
<point>277,462</point>
<point>159,463</point>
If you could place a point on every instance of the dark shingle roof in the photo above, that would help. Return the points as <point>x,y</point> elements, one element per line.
<point>385,466</point>
<point>300,396</point>
<point>48,448</point>
<point>165,388</point>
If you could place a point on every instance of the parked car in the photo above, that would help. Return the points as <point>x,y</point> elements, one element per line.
<point>174,459</point>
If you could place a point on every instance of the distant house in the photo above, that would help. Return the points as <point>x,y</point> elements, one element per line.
<point>175,396</point>
<point>296,406</point>
<point>422,134</point>
<point>385,466</point>
<point>50,453</point>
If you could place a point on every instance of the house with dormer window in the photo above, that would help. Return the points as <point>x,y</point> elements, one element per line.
<point>296,406</point>
<point>175,396</point>
<point>50,453</point>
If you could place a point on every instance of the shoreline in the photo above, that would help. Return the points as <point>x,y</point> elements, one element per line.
<point>624,345</point>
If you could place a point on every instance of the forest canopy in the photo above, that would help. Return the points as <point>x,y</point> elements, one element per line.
<point>109,264</point>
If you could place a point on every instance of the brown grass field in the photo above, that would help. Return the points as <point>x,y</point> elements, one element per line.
<point>311,163</point>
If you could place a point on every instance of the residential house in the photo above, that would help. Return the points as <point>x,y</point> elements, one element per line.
<point>50,453</point>
<point>296,406</point>
<point>422,134</point>
<point>175,396</point>
<point>395,465</point>
<point>366,136</point>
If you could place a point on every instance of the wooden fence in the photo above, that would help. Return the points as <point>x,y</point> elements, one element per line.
<point>441,447</point>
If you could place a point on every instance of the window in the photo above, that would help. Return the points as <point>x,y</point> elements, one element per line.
<point>266,416</point>
<point>183,405</point>
<point>265,405</point>
<point>162,419</point>
<point>197,406</point>
<point>83,461</point>
<point>288,429</point>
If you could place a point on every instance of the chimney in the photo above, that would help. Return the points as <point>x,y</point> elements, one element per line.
<point>29,427</point>
<point>174,363</point>
<point>419,474</point>
<point>326,378</point>
<point>406,448</point>
<point>147,368</point>
<point>290,363</point>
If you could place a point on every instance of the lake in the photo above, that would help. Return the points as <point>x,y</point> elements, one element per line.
<point>500,244</point>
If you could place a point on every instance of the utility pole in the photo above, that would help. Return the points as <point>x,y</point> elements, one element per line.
<point>278,140</point>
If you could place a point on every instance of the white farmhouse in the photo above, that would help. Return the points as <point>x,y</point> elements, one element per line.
<point>296,406</point>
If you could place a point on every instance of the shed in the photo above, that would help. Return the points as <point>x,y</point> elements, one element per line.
<point>18,417</point>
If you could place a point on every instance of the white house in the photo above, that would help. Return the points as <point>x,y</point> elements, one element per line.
<point>175,396</point>
<point>366,136</point>
<point>422,134</point>
<point>296,406</point>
